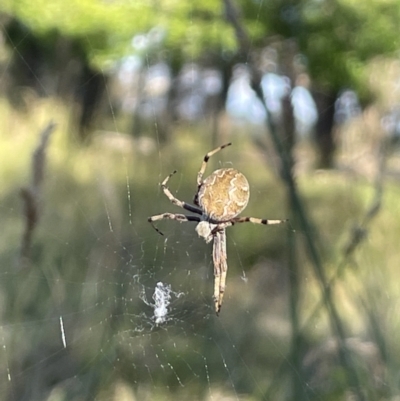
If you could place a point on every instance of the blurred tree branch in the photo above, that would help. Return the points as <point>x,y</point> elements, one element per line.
<point>31,195</point>
<point>301,218</point>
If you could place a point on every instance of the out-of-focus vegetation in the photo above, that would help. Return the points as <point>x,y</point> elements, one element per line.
<point>107,28</point>
<point>337,37</point>
<point>83,271</point>
<point>332,41</point>
<point>310,311</point>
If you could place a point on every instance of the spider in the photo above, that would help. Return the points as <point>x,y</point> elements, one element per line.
<point>219,199</point>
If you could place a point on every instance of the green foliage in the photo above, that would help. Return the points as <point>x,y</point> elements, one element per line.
<point>107,28</point>
<point>337,37</point>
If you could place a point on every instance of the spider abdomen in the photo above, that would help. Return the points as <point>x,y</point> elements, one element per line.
<point>224,194</point>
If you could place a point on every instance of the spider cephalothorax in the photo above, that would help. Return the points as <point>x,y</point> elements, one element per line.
<point>219,199</point>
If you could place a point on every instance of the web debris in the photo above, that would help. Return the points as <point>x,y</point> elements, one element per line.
<point>162,299</point>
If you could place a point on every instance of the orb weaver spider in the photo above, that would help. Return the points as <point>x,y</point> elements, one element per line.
<point>219,199</point>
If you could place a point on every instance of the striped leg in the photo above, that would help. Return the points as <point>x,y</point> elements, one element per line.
<point>176,201</point>
<point>171,216</point>
<point>203,168</point>
<point>256,220</point>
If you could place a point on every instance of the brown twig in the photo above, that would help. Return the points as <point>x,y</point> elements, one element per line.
<point>30,195</point>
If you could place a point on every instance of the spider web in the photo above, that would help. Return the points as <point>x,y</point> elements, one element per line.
<point>132,307</point>
<point>120,312</point>
<point>119,309</point>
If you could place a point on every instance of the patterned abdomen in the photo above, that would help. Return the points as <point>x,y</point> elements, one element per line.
<point>224,194</point>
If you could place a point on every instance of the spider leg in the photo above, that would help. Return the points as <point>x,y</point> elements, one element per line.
<point>171,216</point>
<point>176,201</point>
<point>220,268</point>
<point>203,168</point>
<point>255,220</point>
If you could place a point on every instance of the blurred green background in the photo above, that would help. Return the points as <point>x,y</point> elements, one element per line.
<point>100,101</point>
